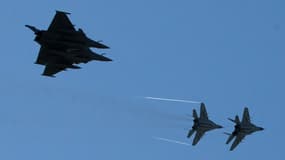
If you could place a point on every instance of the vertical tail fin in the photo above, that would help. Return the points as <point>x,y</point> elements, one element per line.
<point>195,115</point>
<point>237,119</point>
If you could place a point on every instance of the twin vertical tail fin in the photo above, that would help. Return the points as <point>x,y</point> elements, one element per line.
<point>231,136</point>
<point>237,119</point>
<point>195,115</point>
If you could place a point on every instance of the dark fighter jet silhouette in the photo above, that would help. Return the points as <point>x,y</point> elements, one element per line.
<point>62,46</point>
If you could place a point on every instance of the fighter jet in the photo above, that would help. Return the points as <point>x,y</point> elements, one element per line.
<point>201,124</point>
<point>62,45</point>
<point>242,129</point>
<point>62,32</point>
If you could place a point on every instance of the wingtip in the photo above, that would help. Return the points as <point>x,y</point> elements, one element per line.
<point>232,148</point>
<point>58,11</point>
<point>51,76</point>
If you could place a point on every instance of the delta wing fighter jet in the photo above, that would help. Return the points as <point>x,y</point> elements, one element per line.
<point>201,124</point>
<point>62,45</point>
<point>62,32</point>
<point>242,129</point>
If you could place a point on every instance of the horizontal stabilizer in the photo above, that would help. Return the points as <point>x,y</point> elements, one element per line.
<point>232,120</point>
<point>226,133</point>
<point>236,120</point>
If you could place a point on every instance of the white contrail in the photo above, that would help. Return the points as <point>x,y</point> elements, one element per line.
<point>171,141</point>
<point>172,100</point>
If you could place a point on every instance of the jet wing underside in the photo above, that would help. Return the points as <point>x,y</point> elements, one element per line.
<point>43,55</point>
<point>51,69</point>
<point>238,139</point>
<point>53,62</point>
<point>199,134</point>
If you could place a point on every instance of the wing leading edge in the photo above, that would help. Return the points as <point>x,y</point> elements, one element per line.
<point>238,139</point>
<point>203,111</point>
<point>199,134</point>
<point>246,116</point>
<point>51,69</point>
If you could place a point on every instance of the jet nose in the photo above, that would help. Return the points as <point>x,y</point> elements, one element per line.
<point>107,59</point>
<point>261,128</point>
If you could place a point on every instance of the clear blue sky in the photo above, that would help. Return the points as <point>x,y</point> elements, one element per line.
<point>226,53</point>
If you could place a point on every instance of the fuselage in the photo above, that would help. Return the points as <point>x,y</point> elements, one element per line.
<point>206,124</point>
<point>74,43</point>
<point>63,39</point>
<point>248,128</point>
<point>57,61</point>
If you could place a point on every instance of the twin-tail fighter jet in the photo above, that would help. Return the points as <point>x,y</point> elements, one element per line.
<point>201,124</point>
<point>242,129</point>
<point>62,46</point>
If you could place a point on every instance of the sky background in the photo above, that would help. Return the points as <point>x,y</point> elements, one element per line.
<point>227,53</point>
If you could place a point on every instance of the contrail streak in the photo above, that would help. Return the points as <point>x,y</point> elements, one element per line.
<point>171,141</point>
<point>172,100</point>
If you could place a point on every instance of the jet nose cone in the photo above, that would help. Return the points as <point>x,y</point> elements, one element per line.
<point>105,47</point>
<point>260,128</point>
<point>107,59</point>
